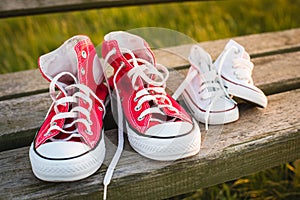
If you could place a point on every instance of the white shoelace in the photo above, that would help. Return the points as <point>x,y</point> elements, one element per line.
<point>242,67</point>
<point>72,97</point>
<point>142,70</point>
<point>210,88</point>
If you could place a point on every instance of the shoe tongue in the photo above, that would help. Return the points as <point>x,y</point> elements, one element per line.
<point>63,59</point>
<point>137,45</point>
<point>200,59</point>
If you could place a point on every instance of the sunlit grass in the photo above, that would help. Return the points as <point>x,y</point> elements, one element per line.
<point>23,39</point>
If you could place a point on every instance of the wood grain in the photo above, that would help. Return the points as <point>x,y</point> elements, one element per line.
<point>23,83</point>
<point>257,45</point>
<point>21,117</point>
<point>31,82</point>
<point>260,139</point>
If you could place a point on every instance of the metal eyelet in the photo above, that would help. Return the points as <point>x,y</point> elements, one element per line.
<point>237,50</point>
<point>100,108</point>
<point>82,71</point>
<point>237,76</point>
<point>137,108</point>
<point>84,54</point>
<point>140,118</point>
<point>88,132</point>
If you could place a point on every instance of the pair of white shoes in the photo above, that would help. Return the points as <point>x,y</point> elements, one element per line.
<point>209,87</point>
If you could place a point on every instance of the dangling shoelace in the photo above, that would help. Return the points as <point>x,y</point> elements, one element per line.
<point>71,97</point>
<point>142,70</point>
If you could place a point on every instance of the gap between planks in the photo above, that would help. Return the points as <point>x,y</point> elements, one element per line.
<point>30,82</point>
<point>21,117</point>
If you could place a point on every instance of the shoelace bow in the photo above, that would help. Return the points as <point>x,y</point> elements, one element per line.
<point>142,70</point>
<point>72,96</point>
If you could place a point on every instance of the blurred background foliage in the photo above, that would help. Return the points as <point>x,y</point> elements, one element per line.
<point>24,39</point>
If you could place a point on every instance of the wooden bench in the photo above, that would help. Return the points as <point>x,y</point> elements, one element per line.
<point>260,139</point>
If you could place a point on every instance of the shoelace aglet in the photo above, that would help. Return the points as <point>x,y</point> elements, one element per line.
<point>106,181</point>
<point>105,192</point>
<point>207,117</point>
<point>206,125</point>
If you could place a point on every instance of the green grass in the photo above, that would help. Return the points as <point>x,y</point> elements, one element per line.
<point>24,39</point>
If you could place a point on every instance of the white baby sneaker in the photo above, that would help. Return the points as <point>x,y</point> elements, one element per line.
<point>235,68</point>
<point>203,92</point>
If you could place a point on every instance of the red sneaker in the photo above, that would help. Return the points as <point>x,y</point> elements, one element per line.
<point>157,126</point>
<point>70,143</point>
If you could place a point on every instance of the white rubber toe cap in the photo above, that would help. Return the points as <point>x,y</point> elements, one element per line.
<point>170,129</point>
<point>222,105</point>
<point>61,150</point>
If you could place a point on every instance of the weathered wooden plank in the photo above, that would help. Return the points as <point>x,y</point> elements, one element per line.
<point>9,8</point>
<point>257,45</point>
<point>31,82</point>
<point>22,83</point>
<point>277,73</point>
<point>21,117</point>
<point>260,139</point>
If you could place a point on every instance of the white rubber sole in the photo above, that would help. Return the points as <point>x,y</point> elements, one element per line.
<point>166,149</point>
<point>215,118</point>
<point>72,169</point>
<point>255,96</point>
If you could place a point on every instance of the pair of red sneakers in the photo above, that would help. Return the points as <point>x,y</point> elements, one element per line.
<point>70,143</point>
